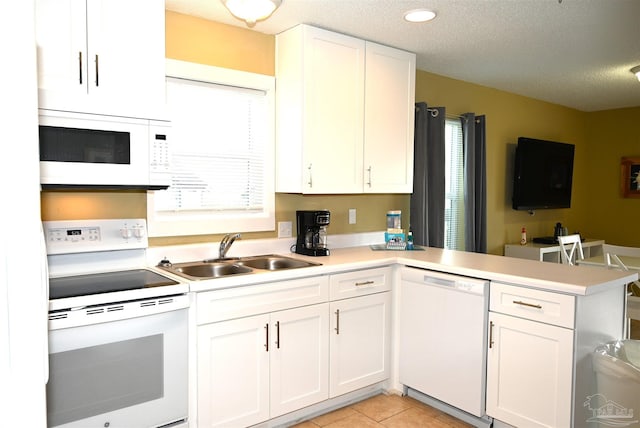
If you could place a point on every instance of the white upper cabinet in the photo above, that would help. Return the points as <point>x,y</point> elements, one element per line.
<point>101,56</point>
<point>344,114</point>
<point>389,119</point>
<point>319,111</point>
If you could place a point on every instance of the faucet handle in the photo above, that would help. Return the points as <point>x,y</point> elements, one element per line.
<point>226,242</point>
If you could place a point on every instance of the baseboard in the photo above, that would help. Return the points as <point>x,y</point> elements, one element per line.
<point>323,407</point>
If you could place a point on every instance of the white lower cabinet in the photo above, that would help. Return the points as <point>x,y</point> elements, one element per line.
<point>266,350</point>
<point>360,333</point>
<point>529,372</point>
<point>233,373</point>
<point>251,368</point>
<point>255,368</point>
<point>360,336</point>
<point>299,358</point>
<point>539,371</point>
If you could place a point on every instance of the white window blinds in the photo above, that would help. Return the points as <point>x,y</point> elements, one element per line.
<point>222,160</point>
<point>218,148</point>
<point>454,186</point>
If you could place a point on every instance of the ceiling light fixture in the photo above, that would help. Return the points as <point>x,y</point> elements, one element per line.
<point>419,15</point>
<point>636,70</point>
<point>251,11</point>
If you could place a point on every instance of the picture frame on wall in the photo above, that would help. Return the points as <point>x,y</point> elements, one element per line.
<point>630,177</point>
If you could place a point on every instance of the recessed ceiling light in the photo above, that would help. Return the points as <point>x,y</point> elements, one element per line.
<point>419,15</point>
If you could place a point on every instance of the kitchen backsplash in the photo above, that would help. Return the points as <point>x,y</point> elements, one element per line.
<point>251,247</point>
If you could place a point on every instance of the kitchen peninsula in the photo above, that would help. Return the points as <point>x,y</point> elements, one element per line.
<point>573,308</point>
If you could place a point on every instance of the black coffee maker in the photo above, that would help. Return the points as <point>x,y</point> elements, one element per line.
<point>312,232</point>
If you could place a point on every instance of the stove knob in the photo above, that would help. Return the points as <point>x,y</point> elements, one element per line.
<point>126,233</point>
<point>138,232</point>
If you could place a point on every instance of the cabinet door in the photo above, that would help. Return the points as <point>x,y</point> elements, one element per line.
<point>233,372</point>
<point>101,56</point>
<point>333,112</point>
<point>126,49</point>
<point>359,344</point>
<point>529,372</point>
<point>61,38</point>
<point>389,119</point>
<point>299,357</point>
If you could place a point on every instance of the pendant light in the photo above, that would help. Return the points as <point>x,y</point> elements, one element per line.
<point>251,11</point>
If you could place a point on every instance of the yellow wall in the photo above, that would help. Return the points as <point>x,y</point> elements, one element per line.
<point>206,42</point>
<point>601,138</point>
<point>611,134</point>
<point>508,117</point>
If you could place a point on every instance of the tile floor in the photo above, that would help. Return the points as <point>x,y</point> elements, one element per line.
<point>385,411</point>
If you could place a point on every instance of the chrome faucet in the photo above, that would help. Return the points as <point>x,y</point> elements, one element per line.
<point>226,243</point>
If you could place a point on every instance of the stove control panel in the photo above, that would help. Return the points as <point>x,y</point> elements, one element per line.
<point>83,236</point>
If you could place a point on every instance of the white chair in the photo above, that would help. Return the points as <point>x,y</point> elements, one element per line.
<point>612,254</point>
<point>574,244</point>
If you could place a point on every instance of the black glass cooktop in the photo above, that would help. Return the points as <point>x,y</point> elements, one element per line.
<point>108,282</point>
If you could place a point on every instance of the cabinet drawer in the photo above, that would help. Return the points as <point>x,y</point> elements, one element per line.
<point>537,305</point>
<point>360,283</point>
<point>220,305</point>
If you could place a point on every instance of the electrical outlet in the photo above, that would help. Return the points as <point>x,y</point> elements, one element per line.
<point>284,229</point>
<point>352,216</point>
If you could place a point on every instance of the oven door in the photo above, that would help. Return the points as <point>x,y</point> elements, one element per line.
<point>126,373</point>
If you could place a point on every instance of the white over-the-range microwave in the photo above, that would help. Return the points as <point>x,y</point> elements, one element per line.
<point>79,150</point>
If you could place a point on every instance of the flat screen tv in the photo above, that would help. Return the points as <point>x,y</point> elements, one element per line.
<point>543,173</point>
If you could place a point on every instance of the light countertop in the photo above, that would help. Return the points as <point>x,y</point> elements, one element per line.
<point>575,280</point>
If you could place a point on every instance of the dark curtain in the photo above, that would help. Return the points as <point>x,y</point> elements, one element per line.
<point>427,200</point>
<point>475,182</point>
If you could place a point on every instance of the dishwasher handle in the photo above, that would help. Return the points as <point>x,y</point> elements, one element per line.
<point>430,280</point>
<point>445,280</point>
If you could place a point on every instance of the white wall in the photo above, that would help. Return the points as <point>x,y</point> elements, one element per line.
<point>23,285</point>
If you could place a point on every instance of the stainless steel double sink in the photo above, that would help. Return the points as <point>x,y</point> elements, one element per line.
<point>219,268</point>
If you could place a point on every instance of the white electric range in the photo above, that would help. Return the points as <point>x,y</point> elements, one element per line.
<point>117,329</point>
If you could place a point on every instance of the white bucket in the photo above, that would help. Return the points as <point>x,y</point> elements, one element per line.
<point>617,368</point>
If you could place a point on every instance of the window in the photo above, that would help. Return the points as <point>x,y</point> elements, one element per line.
<point>222,156</point>
<point>454,186</point>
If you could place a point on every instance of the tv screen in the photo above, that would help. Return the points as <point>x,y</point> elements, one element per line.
<point>543,173</point>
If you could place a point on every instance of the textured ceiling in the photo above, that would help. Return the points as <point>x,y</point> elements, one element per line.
<point>576,53</point>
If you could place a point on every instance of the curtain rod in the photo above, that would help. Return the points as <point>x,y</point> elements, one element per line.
<point>434,113</point>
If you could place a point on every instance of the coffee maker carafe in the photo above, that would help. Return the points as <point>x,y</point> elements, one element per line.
<point>312,232</point>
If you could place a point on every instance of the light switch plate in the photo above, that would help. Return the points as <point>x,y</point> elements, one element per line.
<point>284,229</point>
<point>352,216</point>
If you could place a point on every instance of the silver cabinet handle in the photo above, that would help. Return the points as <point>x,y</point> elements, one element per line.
<point>359,284</point>
<point>97,76</point>
<point>491,324</point>
<point>369,171</point>
<point>310,183</point>
<point>278,334</point>
<point>266,342</point>
<point>531,305</point>
<point>337,329</point>
<point>80,66</point>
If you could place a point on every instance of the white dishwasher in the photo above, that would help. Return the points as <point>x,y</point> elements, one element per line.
<point>443,336</point>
